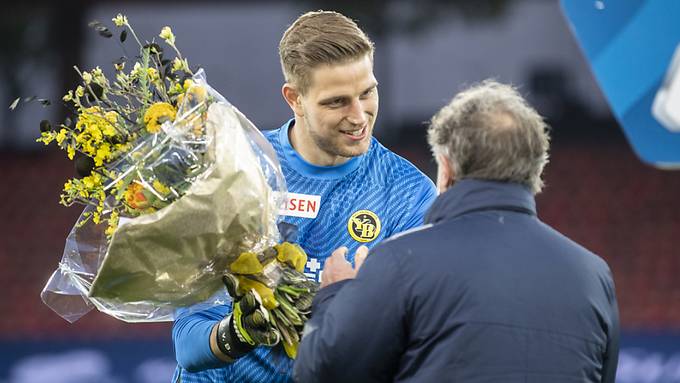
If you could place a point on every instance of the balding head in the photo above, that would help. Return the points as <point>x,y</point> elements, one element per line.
<point>489,132</point>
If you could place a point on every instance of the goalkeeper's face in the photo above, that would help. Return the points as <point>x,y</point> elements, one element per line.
<point>335,117</point>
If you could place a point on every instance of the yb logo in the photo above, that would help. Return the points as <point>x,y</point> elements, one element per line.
<point>364,226</point>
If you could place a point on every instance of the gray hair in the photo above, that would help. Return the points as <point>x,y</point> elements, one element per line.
<point>490,132</point>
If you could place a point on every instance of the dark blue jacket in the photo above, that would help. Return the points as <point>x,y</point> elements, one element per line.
<point>485,292</point>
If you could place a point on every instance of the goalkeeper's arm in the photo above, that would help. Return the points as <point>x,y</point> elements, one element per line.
<point>207,339</point>
<point>247,327</point>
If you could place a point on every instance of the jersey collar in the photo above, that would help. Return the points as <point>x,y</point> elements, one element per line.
<point>310,170</point>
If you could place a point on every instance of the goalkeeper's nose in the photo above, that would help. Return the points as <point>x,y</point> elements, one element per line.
<point>357,114</point>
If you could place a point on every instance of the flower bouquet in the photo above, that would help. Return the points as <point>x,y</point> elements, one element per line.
<point>179,188</point>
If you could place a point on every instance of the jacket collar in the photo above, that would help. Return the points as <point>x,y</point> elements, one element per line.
<point>471,194</point>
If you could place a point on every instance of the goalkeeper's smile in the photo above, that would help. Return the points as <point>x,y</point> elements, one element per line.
<point>335,115</point>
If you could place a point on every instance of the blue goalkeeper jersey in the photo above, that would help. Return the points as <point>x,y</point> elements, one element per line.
<point>360,202</point>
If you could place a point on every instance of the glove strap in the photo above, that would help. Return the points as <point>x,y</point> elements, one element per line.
<point>230,341</point>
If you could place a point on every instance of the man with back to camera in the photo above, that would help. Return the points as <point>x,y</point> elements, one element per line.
<point>485,291</point>
<point>345,189</point>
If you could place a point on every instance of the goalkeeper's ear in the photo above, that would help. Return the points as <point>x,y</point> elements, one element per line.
<point>294,99</point>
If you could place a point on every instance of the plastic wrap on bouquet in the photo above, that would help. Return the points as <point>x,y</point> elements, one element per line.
<point>220,192</point>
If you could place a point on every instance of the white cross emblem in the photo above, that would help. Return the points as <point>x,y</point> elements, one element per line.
<point>313,265</point>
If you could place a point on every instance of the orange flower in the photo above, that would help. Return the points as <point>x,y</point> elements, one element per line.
<point>135,198</point>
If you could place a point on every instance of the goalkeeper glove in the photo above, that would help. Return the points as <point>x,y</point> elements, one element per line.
<point>248,326</point>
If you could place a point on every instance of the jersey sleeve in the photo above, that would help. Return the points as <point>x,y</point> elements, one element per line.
<point>191,338</point>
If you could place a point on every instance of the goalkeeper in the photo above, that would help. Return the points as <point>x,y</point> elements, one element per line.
<point>345,190</point>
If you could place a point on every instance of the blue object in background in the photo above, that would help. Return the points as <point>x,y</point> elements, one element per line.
<point>649,357</point>
<point>104,361</point>
<point>644,358</point>
<point>631,48</point>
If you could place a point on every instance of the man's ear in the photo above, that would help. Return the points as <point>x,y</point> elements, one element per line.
<point>293,98</point>
<point>445,174</point>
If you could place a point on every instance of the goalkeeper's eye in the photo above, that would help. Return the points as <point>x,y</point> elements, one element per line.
<point>334,103</point>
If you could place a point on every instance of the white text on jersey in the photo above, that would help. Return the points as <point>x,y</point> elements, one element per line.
<point>302,205</point>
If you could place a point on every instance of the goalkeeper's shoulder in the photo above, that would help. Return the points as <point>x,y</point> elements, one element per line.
<point>397,171</point>
<point>407,187</point>
<point>271,135</point>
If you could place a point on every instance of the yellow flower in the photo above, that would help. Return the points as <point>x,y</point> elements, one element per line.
<point>188,83</point>
<point>194,95</point>
<point>68,96</point>
<point>111,116</point>
<point>80,91</point>
<point>92,180</point>
<point>153,74</point>
<point>68,185</point>
<point>120,20</point>
<point>157,114</point>
<point>167,35</point>
<point>175,88</point>
<point>94,132</point>
<point>197,93</point>
<point>135,70</point>
<point>177,64</point>
<point>98,75</point>
<point>160,187</point>
<point>94,124</point>
<point>103,153</point>
<point>71,151</point>
<point>109,130</point>
<point>46,137</point>
<point>111,228</point>
<point>117,187</point>
<point>119,66</point>
<point>123,147</point>
<point>98,161</point>
<point>113,223</point>
<point>86,142</point>
<point>87,77</point>
<point>93,110</point>
<point>61,136</point>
